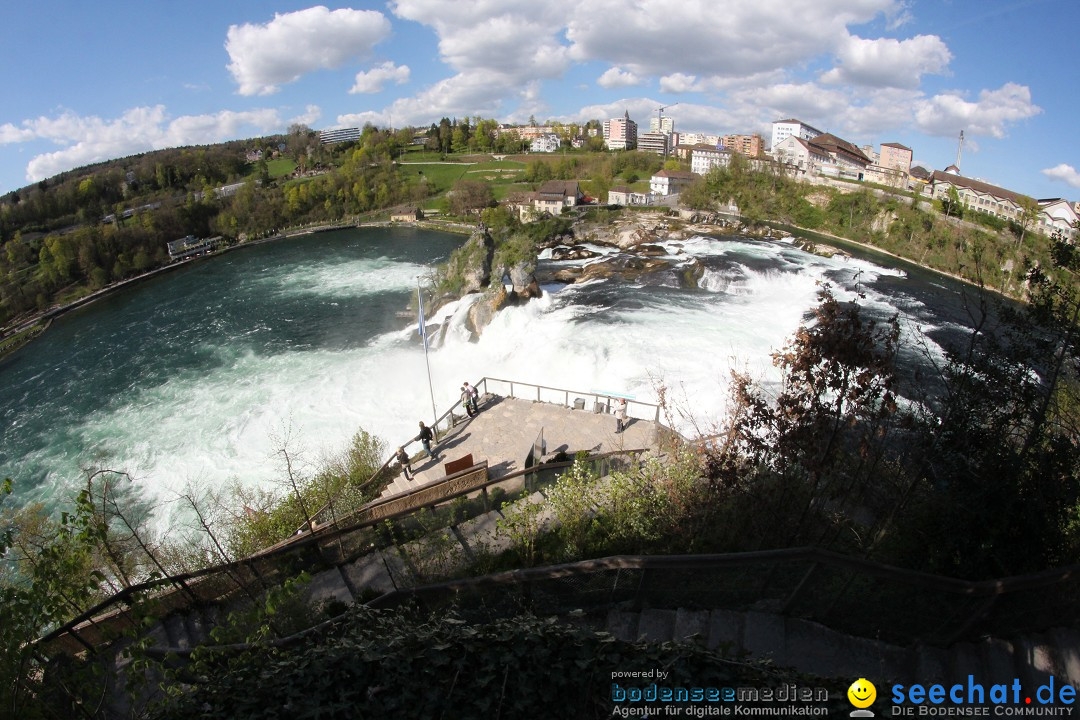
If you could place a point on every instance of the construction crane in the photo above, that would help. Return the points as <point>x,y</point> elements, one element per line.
<point>660,123</point>
<point>660,116</point>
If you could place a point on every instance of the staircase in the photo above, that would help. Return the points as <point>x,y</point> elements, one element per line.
<point>817,650</point>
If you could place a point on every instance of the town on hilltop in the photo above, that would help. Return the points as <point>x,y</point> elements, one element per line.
<point>801,150</point>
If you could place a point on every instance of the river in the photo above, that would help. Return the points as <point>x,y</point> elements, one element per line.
<point>195,376</point>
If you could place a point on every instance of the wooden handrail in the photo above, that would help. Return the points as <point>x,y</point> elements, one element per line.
<point>966,588</point>
<point>293,543</point>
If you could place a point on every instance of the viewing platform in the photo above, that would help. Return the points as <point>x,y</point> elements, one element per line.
<point>514,417</point>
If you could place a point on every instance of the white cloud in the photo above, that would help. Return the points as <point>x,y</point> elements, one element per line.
<point>615,77</point>
<point>680,83</point>
<point>499,50</point>
<point>11,134</point>
<point>736,39</point>
<point>92,139</point>
<point>898,16</point>
<point>809,102</point>
<point>361,119</point>
<point>309,117</point>
<point>948,113</point>
<point>887,62</point>
<point>373,80</point>
<point>463,94</point>
<point>878,111</point>
<point>294,44</point>
<point>1064,173</point>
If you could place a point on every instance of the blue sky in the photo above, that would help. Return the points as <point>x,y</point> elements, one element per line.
<point>84,82</point>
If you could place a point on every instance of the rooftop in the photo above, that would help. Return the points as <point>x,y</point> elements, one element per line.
<point>977,185</point>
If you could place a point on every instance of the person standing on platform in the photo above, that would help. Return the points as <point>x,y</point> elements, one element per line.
<point>467,401</point>
<point>620,416</point>
<point>403,458</point>
<point>425,437</point>
<point>474,396</point>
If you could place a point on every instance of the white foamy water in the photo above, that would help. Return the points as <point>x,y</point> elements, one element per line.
<point>215,425</point>
<point>351,279</point>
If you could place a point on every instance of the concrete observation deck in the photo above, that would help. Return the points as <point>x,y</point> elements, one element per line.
<point>504,431</point>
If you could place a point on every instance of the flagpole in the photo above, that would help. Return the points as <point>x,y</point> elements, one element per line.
<point>423,337</point>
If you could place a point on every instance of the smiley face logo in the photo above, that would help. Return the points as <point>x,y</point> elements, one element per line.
<point>862,693</point>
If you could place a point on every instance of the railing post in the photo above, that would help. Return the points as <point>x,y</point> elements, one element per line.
<point>794,596</point>
<point>537,393</point>
<point>566,399</point>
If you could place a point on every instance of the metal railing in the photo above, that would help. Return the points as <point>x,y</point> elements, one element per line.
<point>327,548</point>
<point>601,402</point>
<point>338,537</point>
<point>847,594</point>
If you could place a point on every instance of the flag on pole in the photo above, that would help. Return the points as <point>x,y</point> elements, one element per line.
<point>423,328</point>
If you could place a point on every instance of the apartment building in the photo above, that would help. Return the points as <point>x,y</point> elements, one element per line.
<point>620,133</point>
<point>654,142</point>
<point>329,137</point>
<point>704,158</point>
<point>749,145</point>
<point>783,129</point>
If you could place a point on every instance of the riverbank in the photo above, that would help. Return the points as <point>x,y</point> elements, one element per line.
<point>29,328</point>
<point>900,260</point>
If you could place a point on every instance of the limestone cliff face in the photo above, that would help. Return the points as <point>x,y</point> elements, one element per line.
<point>476,268</point>
<point>475,262</point>
<point>523,279</point>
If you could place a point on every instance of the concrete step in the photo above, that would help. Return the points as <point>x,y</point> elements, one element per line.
<point>965,659</point>
<point>176,631</point>
<point>764,635</point>
<point>656,625</point>
<point>833,654</point>
<point>997,659</point>
<point>481,534</point>
<point>327,586</point>
<point>623,624</point>
<point>726,632</point>
<point>1066,644</point>
<point>199,624</point>
<point>369,573</point>
<point>930,664</point>
<point>1036,659</point>
<point>691,624</point>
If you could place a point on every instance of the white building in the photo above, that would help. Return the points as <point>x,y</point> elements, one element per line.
<point>783,129</point>
<point>545,143</point>
<point>328,137</point>
<point>654,142</point>
<point>665,125</point>
<point>698,139</point>
<point>623,195</point>
<point>795,152</point>
<point>670,182</point>
<point>554,195</point>
<point>704,158</point>
<point>1057,214</point>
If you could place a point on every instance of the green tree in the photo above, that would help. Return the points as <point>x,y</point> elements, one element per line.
<point>470,196</point>
<point>950,204</point>
<point>1029,213</point>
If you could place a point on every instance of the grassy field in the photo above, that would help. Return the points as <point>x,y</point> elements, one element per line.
<point>499,165</point>
<point>280,167</point>
<point>440,177</point>
<point>501,190</point>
